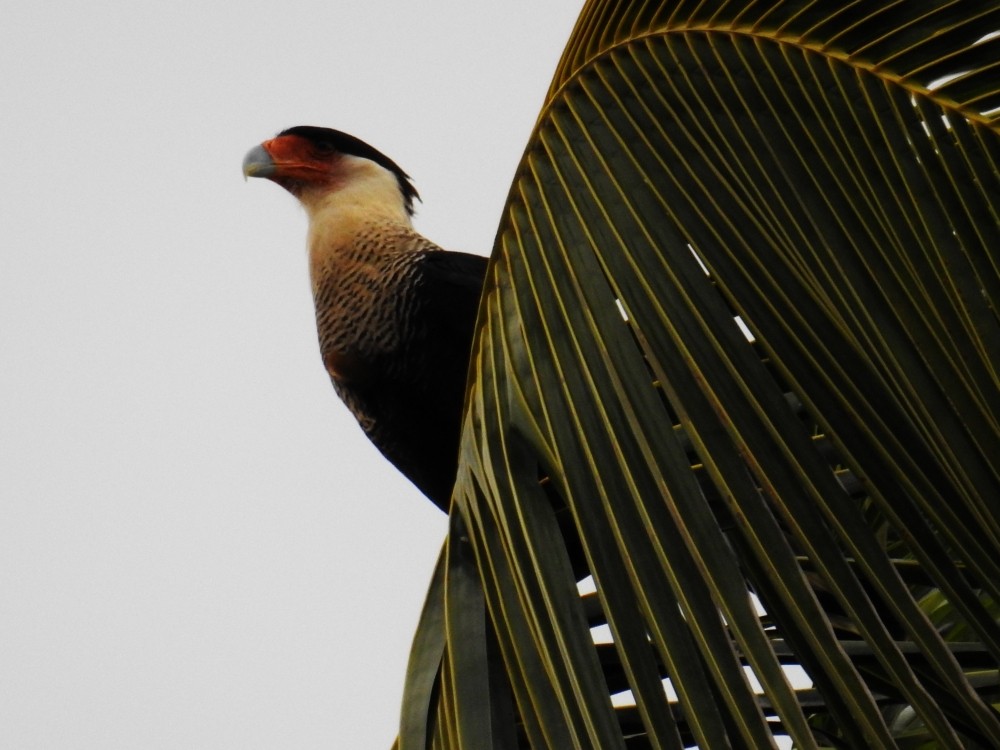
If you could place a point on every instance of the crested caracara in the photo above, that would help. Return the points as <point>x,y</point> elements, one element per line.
<point>394,312</point>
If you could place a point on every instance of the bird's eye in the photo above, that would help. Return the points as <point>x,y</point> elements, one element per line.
<point>325,149</point>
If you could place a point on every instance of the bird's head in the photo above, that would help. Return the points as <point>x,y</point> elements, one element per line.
<point>312,163</point>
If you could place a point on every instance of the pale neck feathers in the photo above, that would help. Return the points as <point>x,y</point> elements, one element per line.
<point>360,193</point>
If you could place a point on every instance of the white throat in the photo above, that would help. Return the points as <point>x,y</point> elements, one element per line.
<point>362,193</point>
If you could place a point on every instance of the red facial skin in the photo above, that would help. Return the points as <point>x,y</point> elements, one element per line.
<point>298,163</point>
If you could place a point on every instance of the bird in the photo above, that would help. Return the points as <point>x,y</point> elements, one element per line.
<point>395,313</point>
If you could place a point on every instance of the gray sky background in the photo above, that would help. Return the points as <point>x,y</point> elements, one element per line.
<point>198,547</point>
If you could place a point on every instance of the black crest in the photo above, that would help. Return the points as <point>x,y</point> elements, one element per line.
<point>344,143</point>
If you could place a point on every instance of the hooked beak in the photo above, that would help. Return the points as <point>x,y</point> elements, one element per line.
<point>258,163</point>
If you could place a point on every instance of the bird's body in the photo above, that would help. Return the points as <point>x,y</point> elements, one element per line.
<point>395,313</point>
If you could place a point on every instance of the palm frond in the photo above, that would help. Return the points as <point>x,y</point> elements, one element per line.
<point>737,366</point>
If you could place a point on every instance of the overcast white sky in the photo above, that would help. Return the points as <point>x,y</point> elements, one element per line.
<point>198,547</point>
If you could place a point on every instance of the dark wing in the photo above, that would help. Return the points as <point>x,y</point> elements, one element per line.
<point>410,405</point>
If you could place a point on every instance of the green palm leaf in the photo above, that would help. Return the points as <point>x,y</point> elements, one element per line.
<point>827,179</point>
